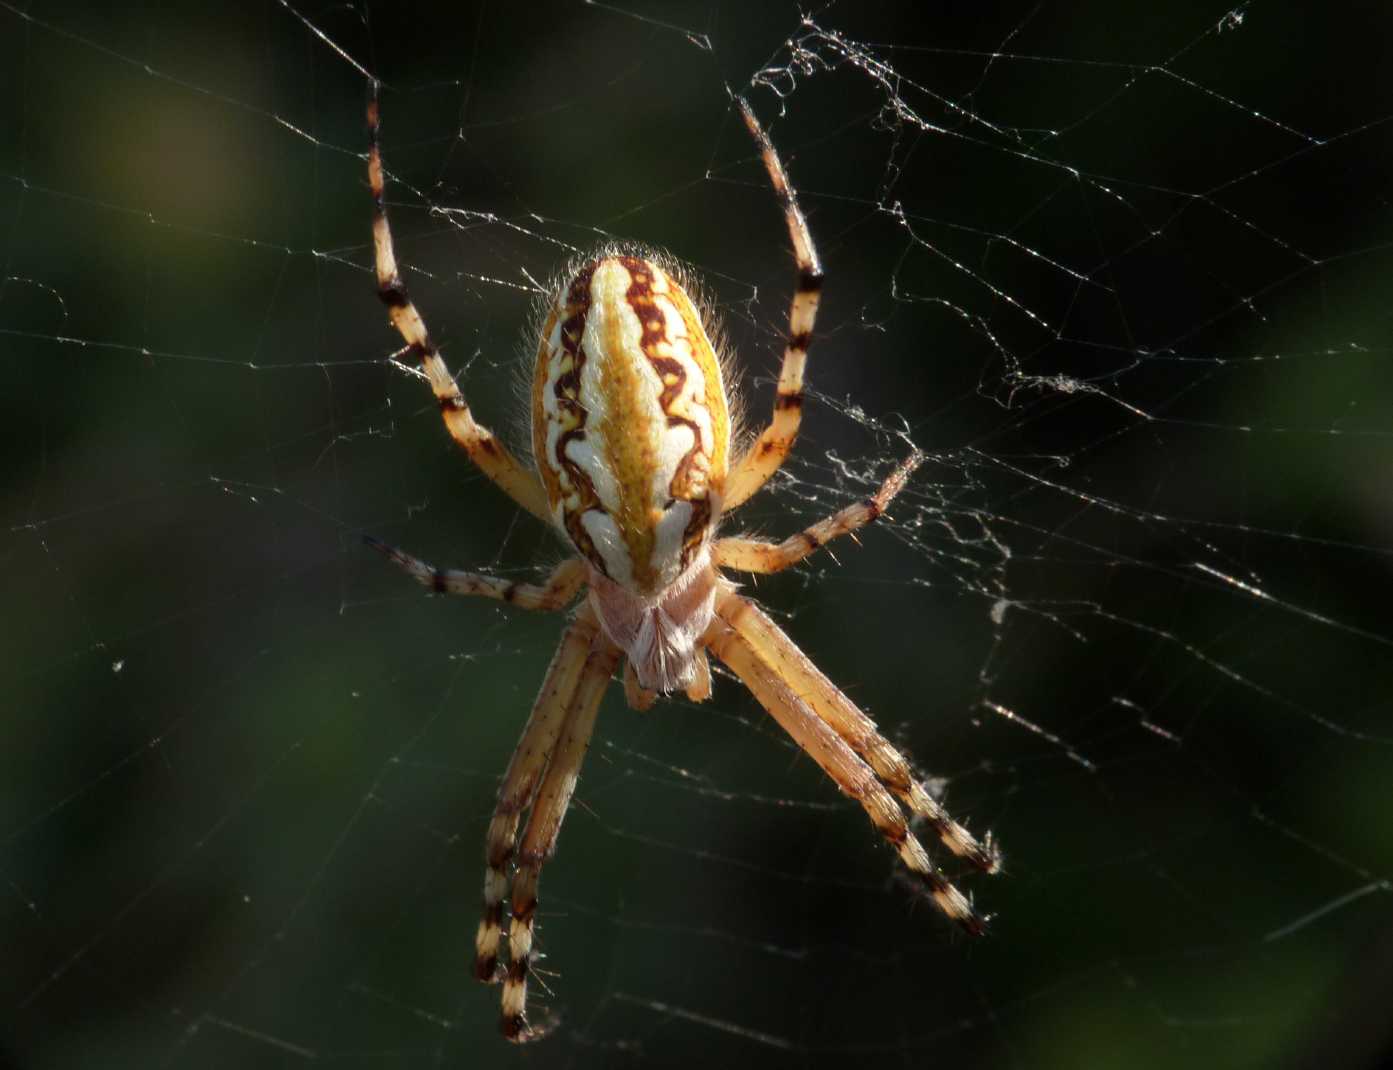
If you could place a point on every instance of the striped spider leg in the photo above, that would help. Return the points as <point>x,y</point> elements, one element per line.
<point>768,451</point>
<point>762,669</point>
<point>822,719</point>
<point>631,438</point>
<point>542,772</point>
<point>478,441</point>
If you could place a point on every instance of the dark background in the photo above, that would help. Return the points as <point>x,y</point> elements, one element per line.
<point>1121,271</point>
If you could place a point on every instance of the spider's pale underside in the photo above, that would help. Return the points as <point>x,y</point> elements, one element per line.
<point>631,437</point>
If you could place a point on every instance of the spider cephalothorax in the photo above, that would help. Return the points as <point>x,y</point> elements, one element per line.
<point>631,437</point>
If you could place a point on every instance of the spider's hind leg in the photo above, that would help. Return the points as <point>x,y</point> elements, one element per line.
<point>768,451</point>
<point>484,449</point>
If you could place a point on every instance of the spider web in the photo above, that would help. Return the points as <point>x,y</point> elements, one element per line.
<point>1121,273</point>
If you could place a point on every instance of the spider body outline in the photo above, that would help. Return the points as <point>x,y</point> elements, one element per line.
<point>631,437</point>
<point>630,434</point>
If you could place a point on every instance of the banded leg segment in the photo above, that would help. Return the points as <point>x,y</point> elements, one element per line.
<point>757,555</point>
<point>543,828</point>
<point>796,671</point>
<point>840,762</point>
<point>525,771</point>
<point>483,447</point>
<point>769,450</point>
<point>557,592</point>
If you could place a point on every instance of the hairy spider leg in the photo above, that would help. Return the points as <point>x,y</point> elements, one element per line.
<point>526,769</point>
<point>840,762</point>
<point>781,656</point>
<point>518,482</point>
<point>780,652</point>
<point>768,451</point>
<point>757,555</point>
<point>543,828</point>
<point>559,590</point>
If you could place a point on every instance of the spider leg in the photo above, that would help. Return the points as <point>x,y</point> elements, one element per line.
<point>781,656</point>
<point>757,555</point>
<point>556,593</point>
<point>518,482</point>
<point>525,771</point>
<point>768,451</point>
<point>544,826</point>
<point>840,762</point>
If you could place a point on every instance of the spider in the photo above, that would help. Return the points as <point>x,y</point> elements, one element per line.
<point>631,438</point>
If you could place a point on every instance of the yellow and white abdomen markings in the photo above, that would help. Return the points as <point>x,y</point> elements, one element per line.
<point>630,423</point>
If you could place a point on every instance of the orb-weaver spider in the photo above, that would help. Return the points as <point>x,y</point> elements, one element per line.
<point>631,439</point>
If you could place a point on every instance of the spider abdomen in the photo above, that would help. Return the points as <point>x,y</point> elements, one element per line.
<point>630,424</point>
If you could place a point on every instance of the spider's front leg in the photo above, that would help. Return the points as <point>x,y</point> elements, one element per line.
<point>528,765</point>
<point>544,826</point>
<point>779,656</point>
<point>838,759</point>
